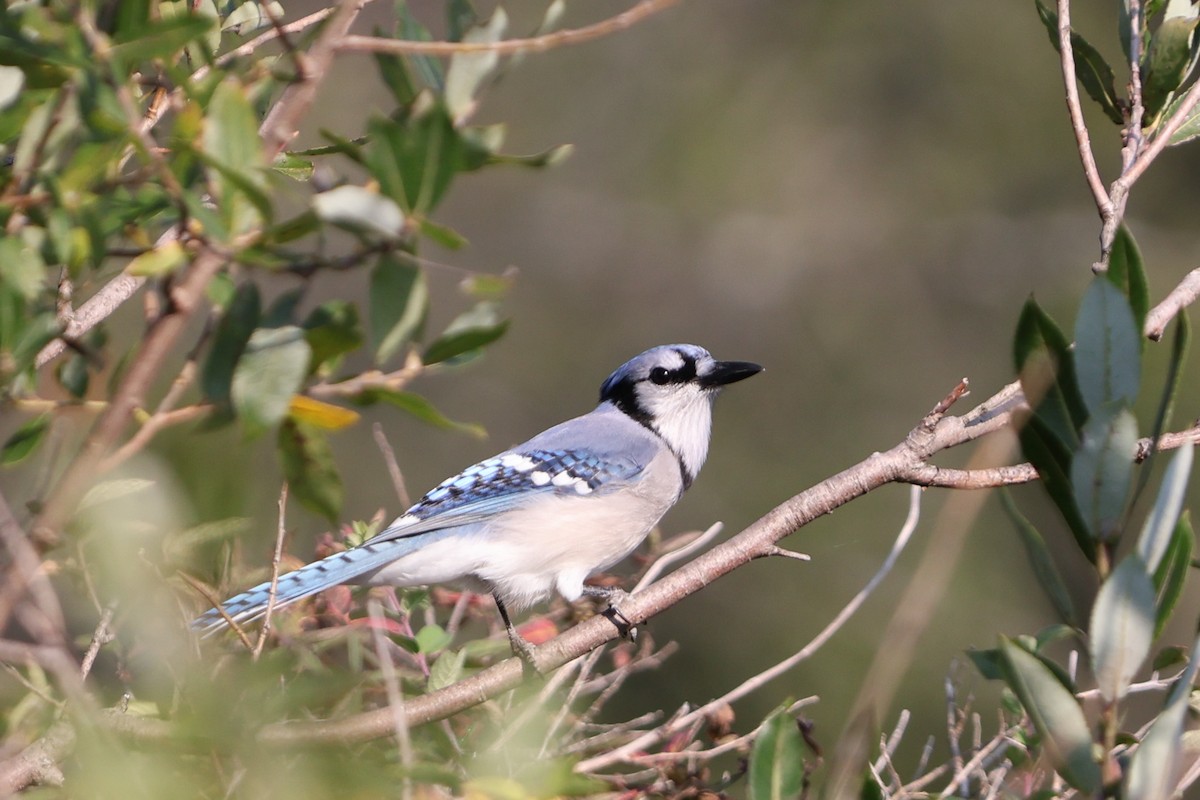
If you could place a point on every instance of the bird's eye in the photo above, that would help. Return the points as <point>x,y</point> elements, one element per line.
<point>660,375</point>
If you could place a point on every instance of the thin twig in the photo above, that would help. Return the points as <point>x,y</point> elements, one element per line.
<point>1182,296</point>
<point>392,685</point>
<point>372,379</point>
<point>393,467</point>
<point>100,637</point>
<point>1078,125</point>
<point>161,418</point>
<point>276,557</point>
<point>738,743</point>
<point>619,22</point>
<point>667,559</point>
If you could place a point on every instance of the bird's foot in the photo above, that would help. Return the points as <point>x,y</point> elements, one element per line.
<point>614,596</point>
<point>523,650</point>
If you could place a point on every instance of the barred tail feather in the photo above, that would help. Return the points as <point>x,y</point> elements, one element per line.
<point>338,568</point>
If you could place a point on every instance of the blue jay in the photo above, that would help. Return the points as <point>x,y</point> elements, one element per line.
<point>544,515</point>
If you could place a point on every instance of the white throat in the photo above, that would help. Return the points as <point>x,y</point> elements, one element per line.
<point>684,420</point>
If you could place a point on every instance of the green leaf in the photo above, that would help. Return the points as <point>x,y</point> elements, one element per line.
<point>777,759</point>
<point>469,70</point>
<point>1160,525</point>
<point>460,17</point>
<point>1180,344</point>
<point>359,209</point>
<point>1172,572</point>
<point>296,168</point>
<point>432,638</point>
<point>24,440</point>
<point>1108,347</point>
<point>1190,128</point>
<point>470,331</point>
<point>1053,463</point>
<point>987,662</point>
<point>1122,627</point>
<point>422,409</point>
<point>445,236</point>
<point>1091,70</point>
<point>1102,469</point>
<point>399,301</point>
<point>158,39</point>
<point>332,330</point>
<point>113,490</point>
<point>21,267</point>
<point>229,342</point>
<point>1055,713</point>
<point>447,669</point>
<point>409,29</point>
<point>232,142</point>
<point>394,73</point>
<point>415,161</point>
<point>270,371</point>
<point>1166,64</point>
<point>73,375</point>
<point>1127,272</point>
<point>1041,561</point>
<point>283,308</point>
<point>1043,361</point>
<point>1154,766</point>
<point>308,466</point>
<point>37,333</point>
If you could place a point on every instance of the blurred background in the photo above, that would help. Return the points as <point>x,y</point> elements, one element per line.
<point>858,199</point>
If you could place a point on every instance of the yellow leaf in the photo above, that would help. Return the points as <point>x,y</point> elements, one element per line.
<point>322,415</point>
<point>159,261</point>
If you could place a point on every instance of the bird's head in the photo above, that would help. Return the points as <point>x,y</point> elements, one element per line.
<point>670,389</point>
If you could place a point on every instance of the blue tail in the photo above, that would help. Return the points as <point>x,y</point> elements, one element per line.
<point>312,578</point>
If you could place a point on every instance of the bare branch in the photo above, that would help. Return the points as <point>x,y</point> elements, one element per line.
<point>1180,297</point>
<point>38,763</point>
<point>1082,140</point>
<point>395,705</point>
<point>273,592</point>
<point>94,310</point>
<point>393,467</point>
<point>619,22</point>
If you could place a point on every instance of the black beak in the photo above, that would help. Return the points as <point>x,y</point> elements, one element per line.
<point>726,372</point>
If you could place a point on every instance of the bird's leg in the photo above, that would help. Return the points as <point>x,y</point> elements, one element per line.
<point>614,596</point>
<point>521,648</point>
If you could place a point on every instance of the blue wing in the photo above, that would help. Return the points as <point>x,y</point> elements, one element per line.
<point>509,480</point>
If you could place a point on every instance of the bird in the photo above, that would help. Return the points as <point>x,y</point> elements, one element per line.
<point>543,516</point>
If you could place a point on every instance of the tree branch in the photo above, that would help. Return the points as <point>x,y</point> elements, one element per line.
<point>622,21</point>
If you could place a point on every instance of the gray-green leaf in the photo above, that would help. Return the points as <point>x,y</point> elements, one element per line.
<point>1107,347</point>
<point>1160,525</point>
<point>359,209</point>
<point>1055,713</point>
<point>270,371</point>
<point>1154,767</point>
<point>1102,469</point>
<point>399,300</point>
<point>1122,627</point>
